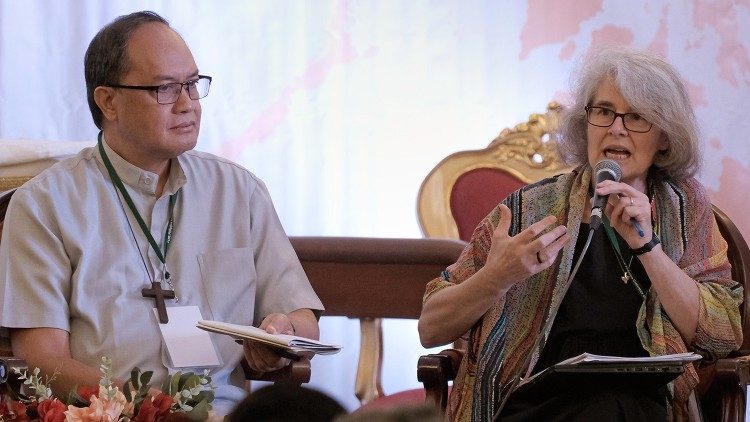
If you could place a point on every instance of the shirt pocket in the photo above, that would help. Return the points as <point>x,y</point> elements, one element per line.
<point>229,280</point>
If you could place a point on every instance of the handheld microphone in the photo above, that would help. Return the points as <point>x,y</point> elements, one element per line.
<point>604,170</point>
<point>607,170</point>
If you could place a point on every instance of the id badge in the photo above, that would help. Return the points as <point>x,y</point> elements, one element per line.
<point>187,345</point>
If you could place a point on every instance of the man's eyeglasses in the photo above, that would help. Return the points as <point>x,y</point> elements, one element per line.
<point>604,117</point>
<point>169,93</point>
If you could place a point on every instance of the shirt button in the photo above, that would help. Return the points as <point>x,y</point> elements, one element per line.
<point>147,180</point>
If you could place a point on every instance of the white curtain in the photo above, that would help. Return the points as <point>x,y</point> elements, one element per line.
<point>343,107</point>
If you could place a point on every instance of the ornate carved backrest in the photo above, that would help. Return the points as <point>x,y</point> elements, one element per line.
<point>11,182</point>
<point>465,186</point>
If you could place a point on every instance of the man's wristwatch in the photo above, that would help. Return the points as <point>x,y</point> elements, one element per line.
<point>648,246</point>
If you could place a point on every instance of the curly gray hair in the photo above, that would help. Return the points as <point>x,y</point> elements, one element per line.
<point>654,89</point>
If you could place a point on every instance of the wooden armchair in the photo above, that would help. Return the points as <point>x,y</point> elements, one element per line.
<point>523,154</point>
<point>463,188</point>
<point>8,363</point>
<point>371,279</point>
<point>724,383</point>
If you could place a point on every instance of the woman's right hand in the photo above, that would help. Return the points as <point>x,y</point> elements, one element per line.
<point>515,258</point>
<point>452,311</point>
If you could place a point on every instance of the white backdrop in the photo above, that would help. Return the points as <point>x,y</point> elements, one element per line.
<point>343,107</point>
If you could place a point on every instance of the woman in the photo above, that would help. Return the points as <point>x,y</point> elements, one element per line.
<point>630,107</point>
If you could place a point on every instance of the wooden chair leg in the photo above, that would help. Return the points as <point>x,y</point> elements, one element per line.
<point>367,385</point>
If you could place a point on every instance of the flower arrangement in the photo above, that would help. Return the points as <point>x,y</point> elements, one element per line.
<point>183,397</point>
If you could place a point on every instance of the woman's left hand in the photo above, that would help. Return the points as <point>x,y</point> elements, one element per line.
<point>627,209</point>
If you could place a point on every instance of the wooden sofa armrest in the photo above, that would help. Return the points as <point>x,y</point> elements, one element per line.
<point>8,367</point>
<point>10,384</point>
<point>435,371</point>
<point>722,388</point>
<point>297,372</point>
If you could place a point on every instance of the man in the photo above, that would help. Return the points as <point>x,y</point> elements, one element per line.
<point>140,216</point>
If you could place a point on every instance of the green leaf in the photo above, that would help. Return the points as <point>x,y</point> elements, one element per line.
<point>134,375</point>
<point>175,385</point>
<point>126,392</point>
<point>165,386</point>
<point>199,412</point>
<point>206,395</point>
<point>146,377</point>
<point>191,381</point>
<point>75,399</point>
<point>184,378</point>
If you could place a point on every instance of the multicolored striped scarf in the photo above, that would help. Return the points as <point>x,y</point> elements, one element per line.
<point>501,343</point>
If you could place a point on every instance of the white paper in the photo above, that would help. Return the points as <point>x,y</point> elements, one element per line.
<point>294,344</point>
<point>591,358</point>
<point>187,346</point>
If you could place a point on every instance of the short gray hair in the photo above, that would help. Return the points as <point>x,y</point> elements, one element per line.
<point>106,59</point>
<point>654,89</point>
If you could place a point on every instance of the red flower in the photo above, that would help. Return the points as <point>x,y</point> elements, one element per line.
<point>51,410</point>
<point>15,410</point>
<point>154,408</point>
<point>86,392</point>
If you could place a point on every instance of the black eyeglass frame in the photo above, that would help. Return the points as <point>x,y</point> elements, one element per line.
<point>156,88</point>
<point>616,115</point>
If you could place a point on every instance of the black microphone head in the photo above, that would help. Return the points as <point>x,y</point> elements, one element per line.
<point>607,170</point>
<point>604,170</point>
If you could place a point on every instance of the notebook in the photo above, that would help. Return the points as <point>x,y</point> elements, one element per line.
<point>590,371</point>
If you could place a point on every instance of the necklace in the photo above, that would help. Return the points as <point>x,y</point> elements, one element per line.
<point>627,274</point>
<point>155,292</point>
<point>626,271</point>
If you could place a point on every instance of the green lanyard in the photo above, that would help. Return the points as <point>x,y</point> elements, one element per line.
<point>625,267</point>
<point>172,201</point>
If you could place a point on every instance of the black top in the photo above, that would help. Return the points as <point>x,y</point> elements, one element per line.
<point>598,313</point>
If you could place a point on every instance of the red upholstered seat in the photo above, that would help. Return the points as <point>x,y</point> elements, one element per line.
<point>416,395</point>
<point>390,401</point>
<point>476,193</point>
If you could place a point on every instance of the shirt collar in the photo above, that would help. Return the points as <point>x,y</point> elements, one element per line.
<point>140,179</point>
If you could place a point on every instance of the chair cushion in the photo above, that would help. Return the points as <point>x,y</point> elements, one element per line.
<point>476,193</point>
<point>406,397</point>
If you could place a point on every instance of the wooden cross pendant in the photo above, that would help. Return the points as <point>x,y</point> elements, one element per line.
<point>159,295</point>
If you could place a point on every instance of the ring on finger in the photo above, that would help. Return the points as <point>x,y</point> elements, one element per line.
<point>539,258</point>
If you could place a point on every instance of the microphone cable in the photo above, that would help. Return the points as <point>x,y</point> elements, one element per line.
<point>542,339</point>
